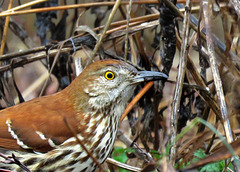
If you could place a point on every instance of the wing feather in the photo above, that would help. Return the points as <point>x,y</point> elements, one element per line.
<point>38,124</point>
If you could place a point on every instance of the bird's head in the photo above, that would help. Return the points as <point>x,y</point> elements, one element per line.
<point>111,81</point>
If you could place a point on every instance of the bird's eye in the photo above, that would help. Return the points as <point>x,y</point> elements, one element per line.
<point>109,75</point>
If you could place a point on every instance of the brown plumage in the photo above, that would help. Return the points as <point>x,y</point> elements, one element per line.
<point>92,105</point>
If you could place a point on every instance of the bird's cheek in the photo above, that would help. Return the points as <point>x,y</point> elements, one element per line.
<point>129,90</point>
<point>99,102</point>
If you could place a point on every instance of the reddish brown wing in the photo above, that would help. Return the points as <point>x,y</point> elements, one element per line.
<point>37,124</point>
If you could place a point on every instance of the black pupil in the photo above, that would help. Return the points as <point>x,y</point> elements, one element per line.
<point>110,75</point>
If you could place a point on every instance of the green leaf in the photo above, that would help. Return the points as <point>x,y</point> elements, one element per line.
<point>120,154</point>
<point>156,154</point>
<point>200,154</point>
<point>212,167</point>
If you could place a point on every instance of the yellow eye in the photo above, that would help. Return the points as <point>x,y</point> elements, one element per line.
<point>109,75</point>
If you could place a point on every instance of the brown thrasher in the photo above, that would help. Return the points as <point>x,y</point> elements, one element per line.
<point>92,105</point>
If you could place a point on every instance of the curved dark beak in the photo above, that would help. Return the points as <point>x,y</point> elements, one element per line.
<point>143,76</point>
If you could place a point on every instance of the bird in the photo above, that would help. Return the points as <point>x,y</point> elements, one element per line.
<point>37,131</point>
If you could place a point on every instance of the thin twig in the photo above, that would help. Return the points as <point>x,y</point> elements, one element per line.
<point>180,78</point>
<point>74,6</point>
<point>137,98</point>
<point>5,30</point>
<point>122,165</point>
<point>10,56</point>
<point>217,80</point>
<point>13,160</point>
<point>198,79</point>
<point>99,42</point>
<point>28,4</point>
<point>138,151</point>
<point>127,29</point>
<point>52,67</point>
